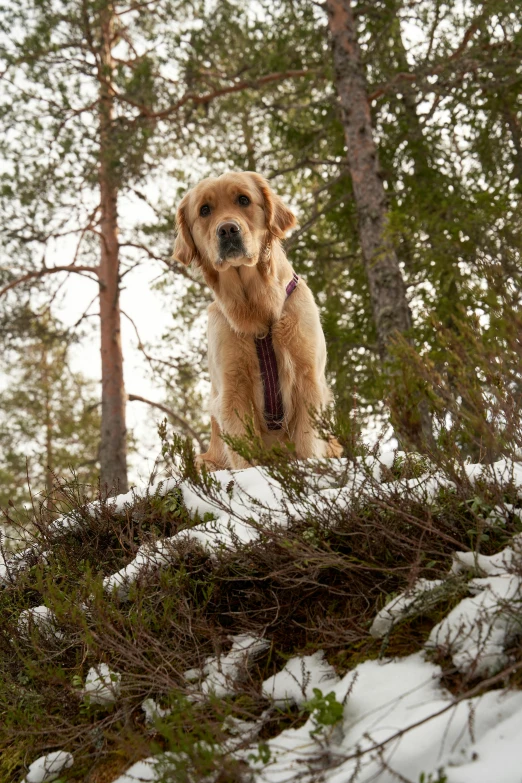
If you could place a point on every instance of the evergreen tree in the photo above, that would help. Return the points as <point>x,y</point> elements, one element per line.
<point>442,83</point>
<point>49,417</point>
<point>390,309</point>
<point>95,94</point>
<point>448,160</point>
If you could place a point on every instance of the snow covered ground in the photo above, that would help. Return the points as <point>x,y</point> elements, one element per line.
<point>396,724</point>
<point>384,721</point>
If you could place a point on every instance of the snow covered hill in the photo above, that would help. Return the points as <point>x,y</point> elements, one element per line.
<point>335,622</point>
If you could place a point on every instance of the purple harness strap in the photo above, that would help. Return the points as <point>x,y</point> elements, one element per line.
<point>274,412</point>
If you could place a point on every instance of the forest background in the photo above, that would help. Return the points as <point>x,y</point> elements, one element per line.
<point>392,128</point>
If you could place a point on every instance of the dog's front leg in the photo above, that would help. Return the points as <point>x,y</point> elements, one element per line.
<point>216,457</point>
<point>237,416</point>
<point>302,359</point>
<point>305,436</point>
<point>310,397</point>
<point>233,368</point>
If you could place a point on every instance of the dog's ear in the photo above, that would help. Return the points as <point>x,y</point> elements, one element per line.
<point>279,219</point>
<point>185,250</point>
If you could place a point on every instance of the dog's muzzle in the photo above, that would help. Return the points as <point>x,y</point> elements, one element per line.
<point>230,240</point>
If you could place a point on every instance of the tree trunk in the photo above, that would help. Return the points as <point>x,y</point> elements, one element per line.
<point>113,447</point>
<point>390,307</point>
<point>516,137</point>
<point>49,479</point>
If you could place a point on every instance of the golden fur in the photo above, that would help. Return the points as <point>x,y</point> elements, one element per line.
<point>249,296</point>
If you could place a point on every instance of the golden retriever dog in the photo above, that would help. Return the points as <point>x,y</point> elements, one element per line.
<point>266,347</point>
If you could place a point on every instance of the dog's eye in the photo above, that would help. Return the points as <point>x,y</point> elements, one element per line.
<point>204,210</point>
<point>244,201</point>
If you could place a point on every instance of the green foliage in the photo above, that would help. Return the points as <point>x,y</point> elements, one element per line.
<point>449,146</point>
<point>49,418</point>
<point>450,156</point>
<point>446,113</point>
<point>325,709</point>
<point>433,777</point>
<point>263,754</point>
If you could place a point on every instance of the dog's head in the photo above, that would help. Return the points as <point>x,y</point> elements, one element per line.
<point>229,221</point>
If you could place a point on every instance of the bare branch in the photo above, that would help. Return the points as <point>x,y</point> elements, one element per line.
<point>174,416</point>
<point>171,265</point>
<point>255,84</point>
<point>440,67</point>
<point>146,250</point>
<point>152,360</point>
<point>307,162</point>
<point>86,311</point>
<point>136,7</point>
<point>317,215</point>
<point>71,268</point>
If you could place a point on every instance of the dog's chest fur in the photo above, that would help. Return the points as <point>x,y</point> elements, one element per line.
<point>250,301</point>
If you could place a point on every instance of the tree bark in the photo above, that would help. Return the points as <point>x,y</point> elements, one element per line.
<point>113,446</point>
<point>387,290</point>
<point>391,312</point>
<point>49,479</point>
<point>516,137</point>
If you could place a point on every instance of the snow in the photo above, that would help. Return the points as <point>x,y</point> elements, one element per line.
<point>40,617</point>
<point>421,594</point>
<point>10,567</point>
<point>158,768</point>
<point>493,565</point>
<point>241,728</point>
<point>497,759</point>
<point>503,472</point>
<point>148,556</point>
<point>397,721</point>
<point>219,675</point>
<point>243,501</point>
<point>48,768</point>
<point>392,720</point>
<point>153,711</point>
<point>102,686</point>
<point>478,630</point>
<point>143,771</point>
<point>295,683</point>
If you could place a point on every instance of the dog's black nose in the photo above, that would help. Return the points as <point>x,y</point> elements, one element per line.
<point>228,229</point>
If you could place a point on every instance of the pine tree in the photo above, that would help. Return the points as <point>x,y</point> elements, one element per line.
<point>49,417</point>
<point>390,308</point>
<point>96,94</point>
<point>445,112</point>
<point>448,162</point>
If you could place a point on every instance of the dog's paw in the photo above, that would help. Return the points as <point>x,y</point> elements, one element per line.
<point>333,448</point>
<point>209,464</point>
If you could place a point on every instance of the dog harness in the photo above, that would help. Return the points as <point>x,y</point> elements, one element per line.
<point>274,411</point>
